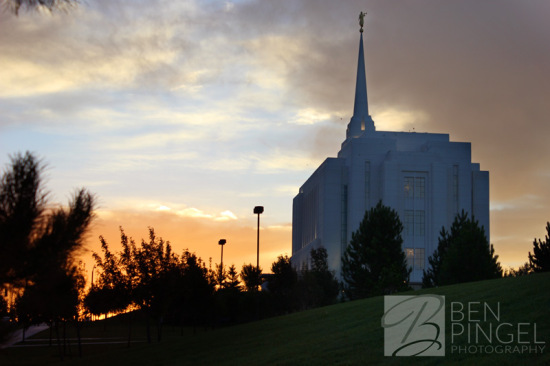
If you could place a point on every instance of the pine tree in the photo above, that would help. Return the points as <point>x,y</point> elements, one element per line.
<point>539,261</point>
<point>374,262</point>
<point>462,255</point>
<point>317,286</point>
<point>233,282</point>
<point>431,276</point>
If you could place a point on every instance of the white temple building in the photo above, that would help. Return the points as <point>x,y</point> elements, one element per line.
<point>425,177</point>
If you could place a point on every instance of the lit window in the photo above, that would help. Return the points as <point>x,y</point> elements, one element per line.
<point>409,252</point>
<point>409,187</point>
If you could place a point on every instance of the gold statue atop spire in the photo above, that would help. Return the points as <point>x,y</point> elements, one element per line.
<point>362,20</point>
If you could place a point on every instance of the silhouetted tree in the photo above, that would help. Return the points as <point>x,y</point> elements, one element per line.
<point>374,262</point>
<point>282,284</point>
<point>431,277</point>
<point>522,270</point>
<point>539,261</point>
<point>197,289</point>
<point>64,233</point>
<point>53,291</point>
<point>233,282</point>
<point>227,298</point>
<point>155,261</point>
<point>115,288</point>
<point>22,203</point>
<point>220,276</point>
<point>463,255</point>
<point>110,293</point>
<point>250,276</point>
<point>38,247</point>
<point>317,286</point>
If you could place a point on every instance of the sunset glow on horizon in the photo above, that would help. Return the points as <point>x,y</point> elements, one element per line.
<point>184,115</point>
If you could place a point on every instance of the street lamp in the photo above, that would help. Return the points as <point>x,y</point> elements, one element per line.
<point>258,210</point>
<point>222,243</point>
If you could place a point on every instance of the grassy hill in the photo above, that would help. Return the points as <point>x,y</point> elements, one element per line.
<point>344,334</point>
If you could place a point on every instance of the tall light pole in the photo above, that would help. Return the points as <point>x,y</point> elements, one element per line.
<point>222,243</point>
<point>258,210</point>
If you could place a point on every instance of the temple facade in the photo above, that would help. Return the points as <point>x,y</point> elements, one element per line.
<point>425,177</point>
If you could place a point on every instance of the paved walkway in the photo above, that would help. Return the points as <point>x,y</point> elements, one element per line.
<point>17,336</point>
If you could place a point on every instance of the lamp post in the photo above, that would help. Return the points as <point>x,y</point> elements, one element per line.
<point>258,210</point>
<point>222,243</point>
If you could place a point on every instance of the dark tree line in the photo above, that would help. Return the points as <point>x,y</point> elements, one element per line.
<point>167,288</point>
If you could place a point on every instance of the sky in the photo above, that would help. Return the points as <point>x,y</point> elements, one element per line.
<point>184,115</point>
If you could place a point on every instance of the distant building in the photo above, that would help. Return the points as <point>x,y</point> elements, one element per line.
<point>425,177</point>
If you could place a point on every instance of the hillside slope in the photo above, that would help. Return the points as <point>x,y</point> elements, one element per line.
<point>351,333</point>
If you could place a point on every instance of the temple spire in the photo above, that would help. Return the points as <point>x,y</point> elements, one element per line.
<point>361,120</point>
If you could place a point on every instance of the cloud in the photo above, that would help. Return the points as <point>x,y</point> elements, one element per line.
<point>392,119</point>
<point>524,202</point>
<point>226,215</point>
<point>310,116</point>
<point>279,161</point>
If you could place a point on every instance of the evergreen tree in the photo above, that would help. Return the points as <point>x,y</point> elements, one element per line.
<point>220,276</point>
<point>325,279</point>
<point>317,286</point>
<point>539,261</point>
<point>374,262</point>
<point>233,282</point>
<point>463,255</point>
<point>430,277</point>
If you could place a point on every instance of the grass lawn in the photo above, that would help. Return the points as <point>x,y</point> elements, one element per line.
<point>344,334</point>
